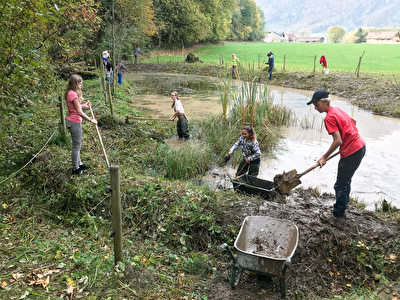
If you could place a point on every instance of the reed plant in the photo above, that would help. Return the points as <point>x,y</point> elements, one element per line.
<point>184,162</point>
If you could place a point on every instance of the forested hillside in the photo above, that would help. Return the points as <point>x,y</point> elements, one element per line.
<point>318,16</point>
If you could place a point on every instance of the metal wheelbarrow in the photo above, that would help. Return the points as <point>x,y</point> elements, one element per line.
<point>265,245</point>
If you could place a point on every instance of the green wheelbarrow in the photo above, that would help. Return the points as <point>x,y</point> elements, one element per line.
<point>264,245</point>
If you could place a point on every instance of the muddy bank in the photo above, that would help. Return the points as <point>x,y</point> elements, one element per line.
<point>377,93</point>
<point>331,258</point>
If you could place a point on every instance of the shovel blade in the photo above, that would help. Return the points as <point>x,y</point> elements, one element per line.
<point>285,182</point>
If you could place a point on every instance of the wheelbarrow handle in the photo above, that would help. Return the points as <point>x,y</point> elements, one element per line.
<point>225,246</point>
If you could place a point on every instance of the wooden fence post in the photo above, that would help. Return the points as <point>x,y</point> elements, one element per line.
<point>259,59</point>
<point>315,59</point>
<point>63,128</point>
<point>110,98</point>
<point>284,61</point>
<point>359,65</point>
<point>222,59</point>
<point>116,212</point>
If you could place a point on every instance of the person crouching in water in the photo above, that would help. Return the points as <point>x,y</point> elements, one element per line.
<point>250,150</point>
<point>182,126</point>
<point>351,146</point>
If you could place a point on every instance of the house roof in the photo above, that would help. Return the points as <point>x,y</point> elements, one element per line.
<point>290,35</point>
<point>382,35</point>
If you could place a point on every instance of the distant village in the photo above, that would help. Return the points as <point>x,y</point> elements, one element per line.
<point>383,37</point>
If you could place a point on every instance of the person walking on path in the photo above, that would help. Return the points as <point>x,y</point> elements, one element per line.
<point>352,149</point>
<point>182,126</point>
<point>109,68</point>
<point>120,69</point>
<point>270,63</point>
<point>136,52</point>
<point>235,63</point>
<point>73,97</point>
<point>250,150</point>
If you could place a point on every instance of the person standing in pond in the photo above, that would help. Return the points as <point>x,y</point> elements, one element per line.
<point>136,52</point>
<point>120,69</point>
<point>235,63</point>
<point>345,135</point>
<point>182,126</point>
<point>270,64</point>
<point>73,97</point>
<point>250,150</point>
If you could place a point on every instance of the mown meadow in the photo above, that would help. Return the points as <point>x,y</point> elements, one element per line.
<point>378,58</point>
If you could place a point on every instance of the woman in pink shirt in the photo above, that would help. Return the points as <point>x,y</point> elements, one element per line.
<point>73,97</point>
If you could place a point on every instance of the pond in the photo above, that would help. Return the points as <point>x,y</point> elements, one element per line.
<point>375,180</point>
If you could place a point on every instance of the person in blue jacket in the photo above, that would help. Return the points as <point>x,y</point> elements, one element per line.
<point>270,63</point>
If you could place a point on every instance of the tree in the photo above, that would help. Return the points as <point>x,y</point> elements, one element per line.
<point>246,21</point>
<point>336,34</point>
<point>360,36</point>
<point>36,37</point>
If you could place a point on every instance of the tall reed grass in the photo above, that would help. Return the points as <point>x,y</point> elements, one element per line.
<point>184,162</point>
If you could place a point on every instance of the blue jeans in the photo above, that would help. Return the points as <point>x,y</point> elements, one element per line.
<point>120,78</point>
<point>270,72</point>
<point>346,169</point>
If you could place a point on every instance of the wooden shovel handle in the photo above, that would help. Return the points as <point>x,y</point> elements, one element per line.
<point>101,141</point>
<point>316,165</point>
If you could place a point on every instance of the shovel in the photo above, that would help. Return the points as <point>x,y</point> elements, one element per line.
<point>287,181</point>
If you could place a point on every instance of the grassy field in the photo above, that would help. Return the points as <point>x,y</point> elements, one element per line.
<point>300,56</point>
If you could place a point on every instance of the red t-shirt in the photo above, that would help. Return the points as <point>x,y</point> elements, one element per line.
<point>337,120</point>
<point>72,114</point>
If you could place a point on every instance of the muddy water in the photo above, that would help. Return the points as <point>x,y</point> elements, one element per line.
<point>376,178</point>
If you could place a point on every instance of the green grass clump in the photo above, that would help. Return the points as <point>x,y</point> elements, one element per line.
<point>185,162</point>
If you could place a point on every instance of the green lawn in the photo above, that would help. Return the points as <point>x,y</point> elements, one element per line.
<point>300,56</point>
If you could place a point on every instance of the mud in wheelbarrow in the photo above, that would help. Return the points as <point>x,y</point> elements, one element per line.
<point>264,245</point>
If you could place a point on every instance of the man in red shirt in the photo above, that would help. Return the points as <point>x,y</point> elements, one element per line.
<point>345,135</point>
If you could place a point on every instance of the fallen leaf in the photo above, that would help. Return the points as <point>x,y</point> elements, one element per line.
<point>17,276</point>
<point>3,284</point>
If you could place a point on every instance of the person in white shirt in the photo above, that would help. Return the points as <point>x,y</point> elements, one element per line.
<point>182,126</point>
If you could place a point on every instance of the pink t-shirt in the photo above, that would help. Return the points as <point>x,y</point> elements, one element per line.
<point>72,114</point>
<point>337,120</point>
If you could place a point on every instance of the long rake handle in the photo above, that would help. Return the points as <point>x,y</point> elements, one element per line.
<point>316,165</point>
<point>138,118</point>
<point>101,141</point>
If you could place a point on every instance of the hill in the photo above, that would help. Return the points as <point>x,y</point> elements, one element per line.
<point>318,16</point>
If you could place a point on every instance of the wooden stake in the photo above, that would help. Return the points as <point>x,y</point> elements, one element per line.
<point>116,212</point>
<point>63,128</point>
